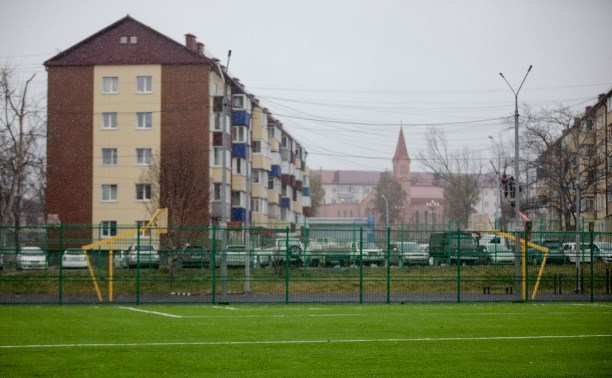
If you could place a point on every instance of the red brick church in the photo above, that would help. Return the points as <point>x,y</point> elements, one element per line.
<point>352,194</point>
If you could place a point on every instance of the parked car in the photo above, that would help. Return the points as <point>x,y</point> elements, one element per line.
<point>496,250</point>
<point>74,258</point>
<point>144,254</point>
<point>555,255</point>
<point>280,249</point>
<point>370,253</point>
<point>31,258</point>
<point>236,255</point>
<point>194,256</point>
<point>584,254</point>
<point>408,253</point>
<point>604,251</point>
<point>449,247</point>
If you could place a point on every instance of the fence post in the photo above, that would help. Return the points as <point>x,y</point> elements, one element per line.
<point>360,260</point>
<point>591,245</point>
<point>388,264</point>
<point>458,265</point>
<point>138,264</point>
<point>212,266</point>
<point>61,274</point>
<point>286,265</point>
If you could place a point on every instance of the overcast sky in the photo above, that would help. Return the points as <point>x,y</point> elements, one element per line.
<point>344,76</point>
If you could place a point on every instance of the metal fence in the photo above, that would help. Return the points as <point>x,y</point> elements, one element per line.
<point>348,264</point>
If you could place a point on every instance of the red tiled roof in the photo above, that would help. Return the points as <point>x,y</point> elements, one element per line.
<point>103,48</point>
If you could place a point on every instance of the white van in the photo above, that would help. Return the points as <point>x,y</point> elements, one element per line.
<point>496,250</point>
<point>569,250</point>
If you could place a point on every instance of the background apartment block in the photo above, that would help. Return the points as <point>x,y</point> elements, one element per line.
<point>136,122</point>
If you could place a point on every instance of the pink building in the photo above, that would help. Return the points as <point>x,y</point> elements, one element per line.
<point>352,194</point>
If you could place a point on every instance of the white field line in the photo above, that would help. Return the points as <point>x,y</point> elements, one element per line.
<point>281,342</point>
<point>150,312</point>
<point>225,308</point>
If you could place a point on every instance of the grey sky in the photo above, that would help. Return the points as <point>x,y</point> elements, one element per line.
<point>343,75</point>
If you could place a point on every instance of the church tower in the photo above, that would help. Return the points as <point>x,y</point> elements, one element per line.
<point>401,173</point>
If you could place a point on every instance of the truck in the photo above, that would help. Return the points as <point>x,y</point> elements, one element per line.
<point>282,247</point>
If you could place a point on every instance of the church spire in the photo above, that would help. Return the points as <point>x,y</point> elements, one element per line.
<point>401,153</point>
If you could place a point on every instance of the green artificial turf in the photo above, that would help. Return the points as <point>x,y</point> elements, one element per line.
<point>307,340</point>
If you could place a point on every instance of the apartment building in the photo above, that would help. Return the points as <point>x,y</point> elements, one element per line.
<point>138,121</point>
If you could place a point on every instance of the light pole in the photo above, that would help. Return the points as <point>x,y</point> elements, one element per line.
<point>432,204</point>
<point>517,244</point>
<point>497,188</point>
<point>386,209</point>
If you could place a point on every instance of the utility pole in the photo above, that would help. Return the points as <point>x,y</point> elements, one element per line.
<point>517,180</point>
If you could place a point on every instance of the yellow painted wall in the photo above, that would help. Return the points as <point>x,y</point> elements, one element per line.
<point>126,138</point>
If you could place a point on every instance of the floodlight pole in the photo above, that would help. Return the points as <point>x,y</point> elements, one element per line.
<point>517,184</point>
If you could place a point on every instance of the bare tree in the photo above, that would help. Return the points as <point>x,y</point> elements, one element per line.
<point>317,193</point>
<point>181,190</point>
<point>566,158</point>
<point>21,152</point>
<point>459,171</point>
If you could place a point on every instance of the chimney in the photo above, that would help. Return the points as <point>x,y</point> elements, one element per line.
<point>200,48</point>
<point>190,42</point>
<point>588,110</point>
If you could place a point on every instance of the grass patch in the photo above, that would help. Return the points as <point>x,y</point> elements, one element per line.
<point>307,340</point>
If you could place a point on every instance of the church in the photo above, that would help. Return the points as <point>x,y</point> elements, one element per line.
<point>352,194</point>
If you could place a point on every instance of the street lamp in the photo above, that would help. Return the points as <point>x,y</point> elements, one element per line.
<point>517,244</point>
<point>432,204</point>
<point>386,209</point>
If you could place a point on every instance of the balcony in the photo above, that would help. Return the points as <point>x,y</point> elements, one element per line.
<point>239,214</point>
<point>285,203</point>
<point>239,150</point>
<point>275,171</point>
<point>241,118</point>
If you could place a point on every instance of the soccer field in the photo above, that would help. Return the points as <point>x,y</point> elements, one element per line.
<point>307,340</point>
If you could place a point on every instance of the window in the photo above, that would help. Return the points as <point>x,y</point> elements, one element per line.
<point>143,192</point>
<point>123,39</point>
<point>109,156</point>
<point>143,156</point>
<point>217,156</point>
<point>110,84</point>
<point>216,121</point>
<point>133,39</point>
<point>144,232</point>
<point>144,84</point>
<point>109,120</point>
<point>239,134</point>
<point>239,166</point>
<point>109,192</point>
<point>256,147</point>
<point>255,205</point>
<point>217,191</point>
<point>109,228</point>
<point>144,120</point>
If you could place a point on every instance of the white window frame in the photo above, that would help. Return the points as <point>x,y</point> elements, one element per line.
<point>144,84</point>
<point>110,84</point>
<point>239,134</point>
<point>144,120</point>
<point>108,228</point>
<point>144,156</point>
<point>109,120</point>
<point>109,156</point>
<point>143,192</point>
<point>109,193</point>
